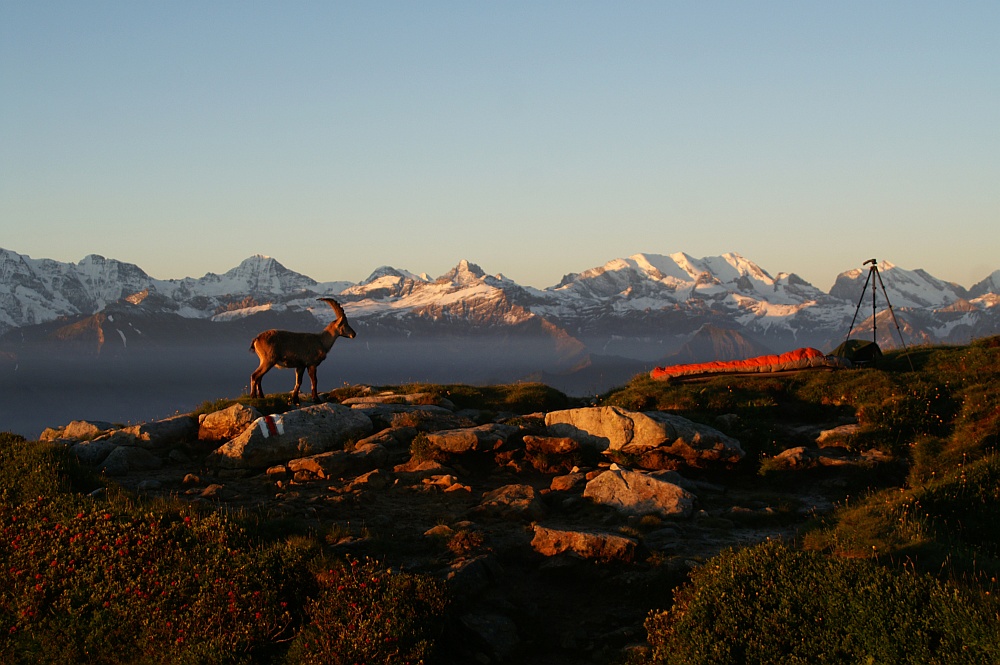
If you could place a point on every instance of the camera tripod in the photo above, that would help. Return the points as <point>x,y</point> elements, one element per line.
<point>873,270</point>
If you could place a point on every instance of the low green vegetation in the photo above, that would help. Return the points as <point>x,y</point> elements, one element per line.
<point>903,571</point>
<point>772,604</point>
<point>949,404</point>
<point>519,398</point>
<point>363,612</point>
<point>114,579</point>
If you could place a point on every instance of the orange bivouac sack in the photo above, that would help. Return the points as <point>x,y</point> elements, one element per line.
<point>804,358</point>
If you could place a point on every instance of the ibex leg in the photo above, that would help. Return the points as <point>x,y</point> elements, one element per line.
<point>312,378</point>
<point>299,371</point>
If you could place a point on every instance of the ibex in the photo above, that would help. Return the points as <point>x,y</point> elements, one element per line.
<point>297,350</point>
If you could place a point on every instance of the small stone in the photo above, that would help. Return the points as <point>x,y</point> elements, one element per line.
<point>211,491</point>
<point>567,482</point>
<point>440,531</point>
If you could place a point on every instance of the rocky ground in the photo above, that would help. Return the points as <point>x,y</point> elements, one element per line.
<point>557,533</point>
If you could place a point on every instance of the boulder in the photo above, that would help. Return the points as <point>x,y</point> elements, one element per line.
<point>470,577</point>
<point>393,437</point>
<point>511,502</point>
<point>665,539</point>
<point>636,493</point>
<point>340,463</point>
<point>376,479</point>
<point>307,431</point>
<point>86,429</point>
<point>164,433</point>
<point>496,632</point>
<point>126,459</point>
<point>601,428</point>
<point>226,423</point>
<point>551,455</point>
<point>659,440</point>
<point>396,441</point>
<point>78,430</point>
<point>598,545</point>
<point>468,439</point>
<point>93,453</point>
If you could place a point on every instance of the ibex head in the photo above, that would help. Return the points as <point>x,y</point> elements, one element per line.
<point>340,326</point>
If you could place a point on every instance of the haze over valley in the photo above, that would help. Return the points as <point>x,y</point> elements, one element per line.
<point>103,339</point>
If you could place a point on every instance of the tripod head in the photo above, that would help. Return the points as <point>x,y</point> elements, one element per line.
<point>874,263</point>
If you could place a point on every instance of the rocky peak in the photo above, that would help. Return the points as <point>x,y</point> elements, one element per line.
<point>463,274</point>
<point>385,271</point>
<point>989,285</point>
<point>263,274</point>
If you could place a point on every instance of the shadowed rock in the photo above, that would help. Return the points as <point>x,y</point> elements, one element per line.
<point>163,433</point>
<point>126,459</point>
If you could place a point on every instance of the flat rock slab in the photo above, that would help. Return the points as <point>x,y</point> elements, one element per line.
<point>636,493</point>
<point>421,399</point>
<point>654,435</point>
<point>802,457</point>
<point>598,545</point>
<point>299,433</point>
<point>484,437</point>
<point>511,502</point>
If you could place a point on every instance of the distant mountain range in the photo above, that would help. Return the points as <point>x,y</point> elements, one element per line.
<point>103,339</point>
<point>646,307</point>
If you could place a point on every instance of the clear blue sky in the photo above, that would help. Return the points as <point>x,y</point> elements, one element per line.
<point>533,138</point>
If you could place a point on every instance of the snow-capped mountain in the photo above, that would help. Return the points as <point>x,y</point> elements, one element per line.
<point>35,291</point>
<point>905,288</point>
<point>646,306</point>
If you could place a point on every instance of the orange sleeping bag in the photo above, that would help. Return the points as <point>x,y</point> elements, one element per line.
<point>804,358</point>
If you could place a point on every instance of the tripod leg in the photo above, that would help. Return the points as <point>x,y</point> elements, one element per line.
<point>893,315</point>
<point>858,308</point>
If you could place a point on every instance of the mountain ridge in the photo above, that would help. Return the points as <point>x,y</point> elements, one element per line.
<point>648,299</point>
